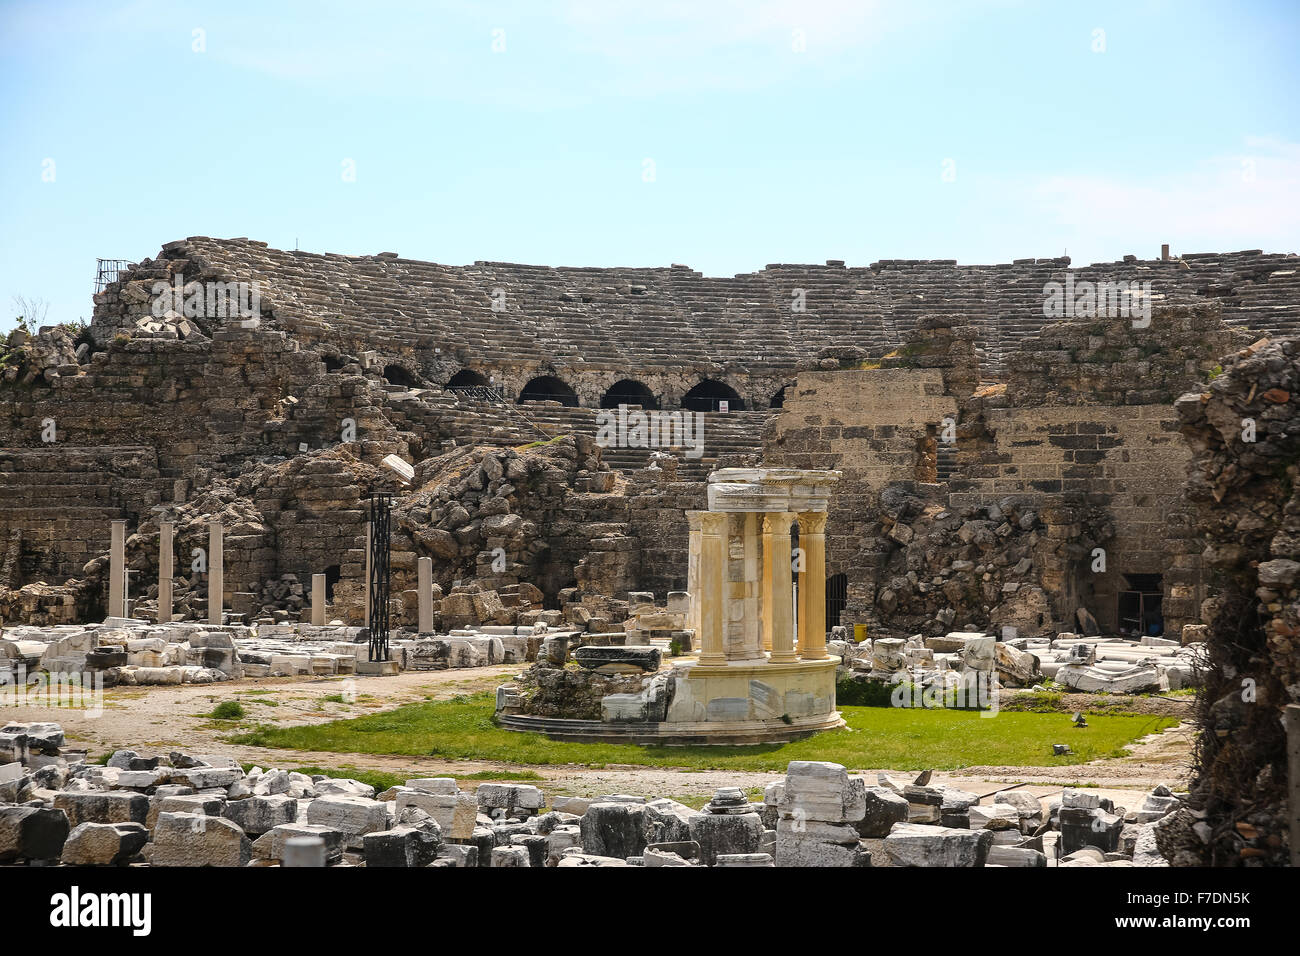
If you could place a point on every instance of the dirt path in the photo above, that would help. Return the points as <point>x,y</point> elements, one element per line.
<point>175,718</point>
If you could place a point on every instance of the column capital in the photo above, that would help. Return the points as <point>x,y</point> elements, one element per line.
<point>777,522</point>
<point>812,522</point>
<point>713,522</point>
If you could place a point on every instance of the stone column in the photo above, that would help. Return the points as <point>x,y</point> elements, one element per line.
<point>117,570</point>
<point>424,581</point>
<point>318,599</point>
<point>776,542</point>
<point>812,527</point>
<point>713,558</point>
<point>693,571</point>
<point>216,572</point>
<point>753,634</point>
<point>166,571</point>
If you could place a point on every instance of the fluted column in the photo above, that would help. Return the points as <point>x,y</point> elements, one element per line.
<point>117,570</point>
<point>713,557</point>
<point>812,538</point>
<point>693,571</point>
<point>166,570</point>
<point>776,544</point>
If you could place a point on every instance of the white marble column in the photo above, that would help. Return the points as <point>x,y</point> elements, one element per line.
<point>117,570</point>
<point>693,571</point>
<point>713,557</point>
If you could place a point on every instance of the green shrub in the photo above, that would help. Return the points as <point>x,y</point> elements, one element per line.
<point>227,710</point>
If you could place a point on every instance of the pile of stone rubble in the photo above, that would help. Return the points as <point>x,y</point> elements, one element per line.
<point>193,810</point>
<point>1088,664</point>
<point>135,652</point>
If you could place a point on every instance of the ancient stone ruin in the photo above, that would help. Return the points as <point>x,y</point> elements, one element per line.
<point>690,509</point>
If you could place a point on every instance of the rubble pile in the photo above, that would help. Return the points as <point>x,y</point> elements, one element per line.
<point>181,809</point>
<point>54,351</point>
<point>1075,662</point>
<point>972,567</point>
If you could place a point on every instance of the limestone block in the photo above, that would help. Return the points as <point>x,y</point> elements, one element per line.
<point>402,846</point>
<point>884,808</point>
<point>613,829</point>
<point>196,839</point>
<point>256,815</point>
<point>271,844</point>
<point>31,833</point>
<point>103,807</point>
<point>912,844</point>
<point>352,816</point>
<point>725,833</point>
<point>103,844</point>
<point>819,790</point>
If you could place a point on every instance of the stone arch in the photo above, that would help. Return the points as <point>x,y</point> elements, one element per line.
<point>705,396</point>
<point>467,378</point>
<point>548,388</point>
<point>400,375</point>
<point>629,391</point>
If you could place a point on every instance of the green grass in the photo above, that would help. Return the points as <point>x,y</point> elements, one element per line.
<point>898,738</point>
<point>227,710</point>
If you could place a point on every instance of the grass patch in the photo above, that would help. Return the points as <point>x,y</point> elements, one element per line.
<point>228,710</point>
<point>462,729</point>
<point>378,779</point>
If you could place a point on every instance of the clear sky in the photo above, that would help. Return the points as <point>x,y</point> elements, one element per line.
<point>722,135</point>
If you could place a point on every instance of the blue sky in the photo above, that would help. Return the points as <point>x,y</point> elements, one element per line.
<point>723,135</point>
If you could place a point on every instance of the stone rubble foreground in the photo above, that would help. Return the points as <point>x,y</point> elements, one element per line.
<point>200,810</point>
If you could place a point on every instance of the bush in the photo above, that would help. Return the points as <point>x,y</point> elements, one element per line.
<point>227,710</point>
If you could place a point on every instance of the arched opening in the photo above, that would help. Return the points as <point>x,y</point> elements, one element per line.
<point>397,375</point>
<point>778,400</point>
<point>551,574</point>
<point>333,574</point>
<point>467,378</point>
<point>706,396</point>
<point>548,388</point>
<point>837,595</point>
<point>334,362</point>
<point>629,392</point>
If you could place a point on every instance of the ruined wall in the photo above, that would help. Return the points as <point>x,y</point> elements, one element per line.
<point>1247,499</point>
<point>873,425</point>
<point>1086,423</point>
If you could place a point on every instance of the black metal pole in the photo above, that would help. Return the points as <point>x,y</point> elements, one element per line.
<point>381,510</point>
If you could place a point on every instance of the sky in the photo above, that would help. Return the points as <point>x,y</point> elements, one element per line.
<point>719,134</point>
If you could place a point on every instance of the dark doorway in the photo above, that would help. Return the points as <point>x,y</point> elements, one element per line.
<point>397,375</point>
<point>332,577</point>
<point>837,595</point>
<point>467,378</point>
<point>1139,610</point>
<point>548,388</point>
<point>551,575</point>
<point>778,400</point>
<point>629,392</point>
<point>706,396</point>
